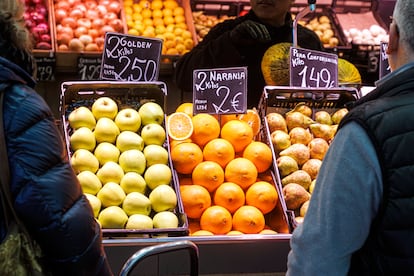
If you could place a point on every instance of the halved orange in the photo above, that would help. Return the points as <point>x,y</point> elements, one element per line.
<point>179,126</point>
<point>253,119</point>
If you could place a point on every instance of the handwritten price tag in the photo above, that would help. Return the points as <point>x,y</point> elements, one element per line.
<point>220,90</point>
<point>384,65</point>
<point>130,58</point>
<point>310,68</point>
<point>45,68</point>
<point>89,68</point>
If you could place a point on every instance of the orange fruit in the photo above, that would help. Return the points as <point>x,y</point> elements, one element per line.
<point>216,219</point>
<point>253,119</point>
<point>238,133</point>
<point>195,200</point>
<point>179,126</point>
<point>248,219</point>
<point>173,143</point>
<point>262,195</point>
<point>260,154</point>
<point>193,225</point>
<point>185,180</point>
<point>219,150</point>
<point>208,174</point>
<point>224,118</point>
<point>186,156</point>
<point>186,108</point>
<point>241,171</point>
<point>206,128</point>
<point>230,196</point>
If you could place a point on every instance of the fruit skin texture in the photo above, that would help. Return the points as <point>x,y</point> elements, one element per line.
<point>238,133</point>
<point>205,128</point>
<point>229,195</point>
<point>151,112</point>
<point>128,119</point>
<point>248,219</point>
<point>186,156</point>
<point>241,171</point>
<point>216,219</point>
<point>112,217</point>
<point>84,160</point>
<point>275,64</point>
<point>104,107</point>
<point>195,200</point>
<point>82,117</point>
<point>260,154</point>
<point>153,134</point>
<point>157,174</point>
<point>262,195</point>
<point>163,198</point>
<point>208,174</point>
<point>83,138</point>
<point>220,151</point>
<point>106,130</point>
<point>165,219</point>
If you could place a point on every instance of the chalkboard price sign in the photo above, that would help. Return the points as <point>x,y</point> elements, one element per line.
<point>220,90</point>
<point>45,68</point>
<point>89,68</point>
<point>310,68</point>
<point>384,65</point>
<point>130,58</point>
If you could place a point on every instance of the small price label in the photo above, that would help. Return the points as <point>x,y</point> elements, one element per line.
<point>89,68</point>
<point>45,68</point>
<point>220,90</point>
<point>384,68</point>
<point>130,58</point>
<point>310,68</point>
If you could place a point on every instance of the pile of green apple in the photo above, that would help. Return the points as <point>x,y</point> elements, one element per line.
<point>122,164</point>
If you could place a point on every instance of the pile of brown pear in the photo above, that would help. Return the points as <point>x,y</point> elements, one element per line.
<point>301,138</point>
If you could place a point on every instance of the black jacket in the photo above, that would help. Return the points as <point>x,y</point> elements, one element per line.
<point>47,196</point>
<point>217,51</point>
<point>387,115</point>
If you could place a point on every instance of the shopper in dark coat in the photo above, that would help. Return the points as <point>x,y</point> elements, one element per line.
<point>242,42</point>
<point>47,196</point>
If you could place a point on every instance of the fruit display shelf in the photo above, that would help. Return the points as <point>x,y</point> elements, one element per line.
<point>126,94</point>
<point>279,100</point>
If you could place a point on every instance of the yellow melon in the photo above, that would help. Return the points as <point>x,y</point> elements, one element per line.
<point>275,64</point>
<point>348,73</point>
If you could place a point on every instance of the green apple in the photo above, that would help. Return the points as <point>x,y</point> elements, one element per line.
<point>151,113</point>
<point>95,204</point>
<point>106,130</point>
<point>153,134</point>
<point>113,217</point>
<point>136,203</point>
<point>82,138</point>
<point>132,161</point>
<point>81,117</point>
<point>157,174</point>
<point>133,182</point>
<point>155,154</point>
<point>84,160</point>
<point>128,119</point>
<point>110,172</point>
<point>104,107</point>
<point>129,140</point>
<point>163,198</point>
<point>89,182</point>
<point>139,222</point>
<point>165,219</point>
<point>105,152</point>
<point>111,194</point>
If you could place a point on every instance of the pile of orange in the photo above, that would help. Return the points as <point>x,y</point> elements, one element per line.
<point>219,164</point>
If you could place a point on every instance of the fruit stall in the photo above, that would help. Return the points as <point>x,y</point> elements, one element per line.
<point>155,171</point>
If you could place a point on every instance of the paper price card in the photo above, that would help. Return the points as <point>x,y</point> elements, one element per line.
<point>89,68</point>
<point>220,90</point>
<point>310,68</point>
<point>384,65</point>
<point>130,58</point>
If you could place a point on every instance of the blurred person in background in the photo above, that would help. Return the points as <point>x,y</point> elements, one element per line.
<point>360,218</point>
<point>242,41</point>
<point>47,196</point>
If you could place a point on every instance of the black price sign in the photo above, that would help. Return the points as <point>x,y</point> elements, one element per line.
<point>45,68</point>
<point>384,65</point>
<point>220,90</point>
<point>89,68</point>
<point>310,68</point>
<point>130,58</point>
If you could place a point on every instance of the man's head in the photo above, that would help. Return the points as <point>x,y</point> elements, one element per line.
<point>401,35</point>
<point>272,12</point>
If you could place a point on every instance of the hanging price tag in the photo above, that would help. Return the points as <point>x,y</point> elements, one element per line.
<point>220,90</point>
<point>89,68</point>
<point>310,68</point>
<point>130,58</point>
<point>45,68</point>
<point>384,65</point>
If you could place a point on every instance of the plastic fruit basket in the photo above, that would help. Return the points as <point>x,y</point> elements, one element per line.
<point>132,94</point>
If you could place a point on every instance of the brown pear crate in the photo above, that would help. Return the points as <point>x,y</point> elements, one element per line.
<point>131,94</point>
<point>282,99</point>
